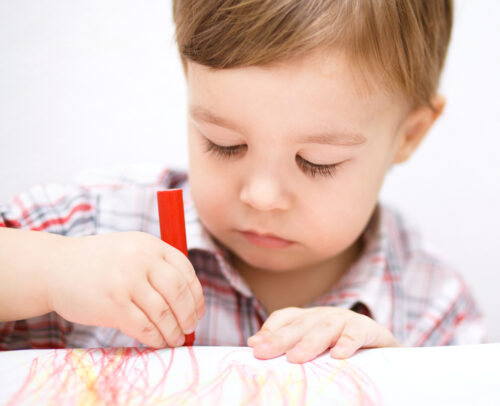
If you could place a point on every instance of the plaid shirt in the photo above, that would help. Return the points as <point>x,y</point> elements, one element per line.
<point>397,280</point>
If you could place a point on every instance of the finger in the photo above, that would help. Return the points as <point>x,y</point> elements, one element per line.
<point>160,313</point>
<point>179,261</point>
<point>137,325</point>
<point>275,321</point>
<point>173,287</point>
<point>270,344</point>
<point>382,337</point>
<point>354,335</point>
<point>276,343</point>
<point>315,341</point>
<point>362,331</point>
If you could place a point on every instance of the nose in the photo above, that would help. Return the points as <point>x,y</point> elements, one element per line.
<point>265,192</point>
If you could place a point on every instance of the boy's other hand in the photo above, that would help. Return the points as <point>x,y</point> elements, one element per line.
<point>132,281</point>
<point>303,334</point>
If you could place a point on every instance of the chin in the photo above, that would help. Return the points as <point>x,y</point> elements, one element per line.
<point>269,261</point>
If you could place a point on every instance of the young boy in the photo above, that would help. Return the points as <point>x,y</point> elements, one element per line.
<point>297,109</point>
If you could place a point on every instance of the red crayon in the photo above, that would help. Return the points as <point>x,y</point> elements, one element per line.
<point>173,226</point>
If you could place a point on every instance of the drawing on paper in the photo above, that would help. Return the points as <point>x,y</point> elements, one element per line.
<point>187,376</point>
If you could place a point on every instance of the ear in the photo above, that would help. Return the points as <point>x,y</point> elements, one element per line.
<point>414,128</point>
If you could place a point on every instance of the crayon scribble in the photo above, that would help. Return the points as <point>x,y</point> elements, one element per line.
<point>140,376</point>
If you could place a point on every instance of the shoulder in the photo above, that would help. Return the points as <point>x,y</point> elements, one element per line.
<point>59,208</point>
<point>114,198</point>
<point>410,248</point>
<point>424,269</point>
<point>126,194</point>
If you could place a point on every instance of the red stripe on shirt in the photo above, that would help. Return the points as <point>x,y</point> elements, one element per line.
<point>63,220</point>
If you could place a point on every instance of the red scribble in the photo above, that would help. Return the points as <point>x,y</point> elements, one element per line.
<point>140,376</point>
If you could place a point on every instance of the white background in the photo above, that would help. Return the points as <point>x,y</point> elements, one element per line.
<point>88,83</point>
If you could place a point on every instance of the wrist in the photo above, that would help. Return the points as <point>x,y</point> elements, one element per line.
<point>57,261</point>
<point>26,262</point>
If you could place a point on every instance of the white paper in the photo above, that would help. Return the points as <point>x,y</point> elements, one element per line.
<point>461,375</point>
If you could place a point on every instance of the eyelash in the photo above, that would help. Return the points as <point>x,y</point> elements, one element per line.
<point>314,169</point>
<point>308,168</point>
<point>223,152</point>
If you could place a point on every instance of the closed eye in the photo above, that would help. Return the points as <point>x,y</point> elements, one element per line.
<point>313,170</point>
<point>223,151</point>
<point>309,168</point>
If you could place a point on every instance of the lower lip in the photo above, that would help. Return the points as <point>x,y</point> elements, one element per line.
<point>265,241</point>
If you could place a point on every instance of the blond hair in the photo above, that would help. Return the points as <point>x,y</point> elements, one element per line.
<point>404,41</point>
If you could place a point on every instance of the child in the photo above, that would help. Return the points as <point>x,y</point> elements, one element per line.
<point>297,109</point>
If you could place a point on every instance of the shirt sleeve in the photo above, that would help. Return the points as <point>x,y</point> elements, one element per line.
<point>63,210</point>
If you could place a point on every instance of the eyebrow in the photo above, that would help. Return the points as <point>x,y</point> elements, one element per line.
<point>333,138</point>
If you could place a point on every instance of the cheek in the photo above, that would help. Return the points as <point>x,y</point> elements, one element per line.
<point>335,228</point>
<point>210,187</point>
<point>363,181</point>
<point>333,223</point>
<point>209,200</point>
<point>338,216</point>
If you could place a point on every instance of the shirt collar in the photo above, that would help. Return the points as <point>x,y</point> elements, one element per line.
<point>371,279</point>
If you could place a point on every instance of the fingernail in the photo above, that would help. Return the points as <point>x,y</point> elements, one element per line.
<point>179,341</point>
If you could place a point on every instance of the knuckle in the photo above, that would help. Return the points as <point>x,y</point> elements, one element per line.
<point>165,314</point>
<point>115,298</point>
<point>151,335</point>
<point>350,337</point>
<point>148,329</point>
<point>181,291</point>
<point>354,334</point>
<point>327,323</point>
<point>137,325</point>
<point>143,325</point>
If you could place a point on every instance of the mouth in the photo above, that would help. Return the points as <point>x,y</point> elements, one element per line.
<point>266,240</point>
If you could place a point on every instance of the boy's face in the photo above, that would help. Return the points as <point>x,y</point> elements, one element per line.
<point>263,142</point>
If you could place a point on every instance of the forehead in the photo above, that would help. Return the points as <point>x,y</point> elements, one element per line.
<point>320,89</point>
